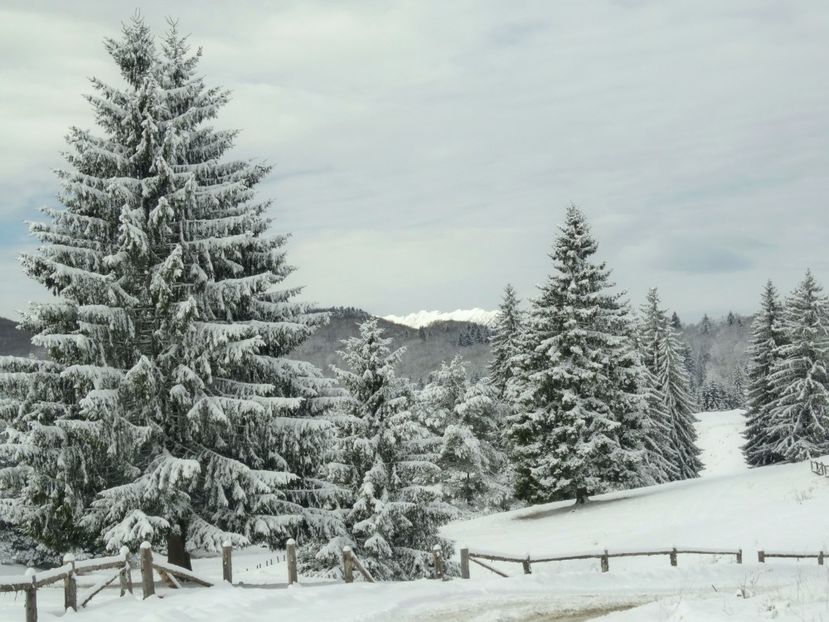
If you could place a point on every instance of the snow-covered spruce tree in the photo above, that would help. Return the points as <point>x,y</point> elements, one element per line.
<point>474,468</point>
<point>657,437</point>
<point>170,411</point>
<point>739,389</point>
<point>505,342</point>
<point>465,420</point>
<point>767,339</point>
<point>799,425</point>
<point>48,476</point>
<point>674,383</point>
<point>565,434</point>
<point>385,462</point>
<point>661,353</point>
<point>644,423</point>
<point>437,400</point>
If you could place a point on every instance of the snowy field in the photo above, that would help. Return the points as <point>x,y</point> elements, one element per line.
<point>774,508</point>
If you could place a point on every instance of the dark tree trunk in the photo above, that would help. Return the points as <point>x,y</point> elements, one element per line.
<point>176,553</point>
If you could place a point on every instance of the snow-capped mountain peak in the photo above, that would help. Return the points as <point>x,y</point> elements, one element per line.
<point>424,318</point>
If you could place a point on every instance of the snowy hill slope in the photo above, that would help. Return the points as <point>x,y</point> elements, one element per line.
<point>730,506</point>
<point>719,437</point>
<point>425,318</point>
<point>780,507</point>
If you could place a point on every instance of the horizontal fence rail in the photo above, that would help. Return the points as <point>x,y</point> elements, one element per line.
<point>763,555</point>
<point>475,556</point>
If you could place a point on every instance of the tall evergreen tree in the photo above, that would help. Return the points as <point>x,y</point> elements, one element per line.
<point>170,410</point>
<point>767,339</point>
<point>506,340</point>
<point>386,464</point>
<point>799,425</point>
<point>661,353</point>
<point>565,434</point>
<point>644,429</point>
<point>659,464</point>
<point>673,380</point>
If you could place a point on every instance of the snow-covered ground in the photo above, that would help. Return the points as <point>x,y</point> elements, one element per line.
<point>781,507</point>
<point>719,437</point>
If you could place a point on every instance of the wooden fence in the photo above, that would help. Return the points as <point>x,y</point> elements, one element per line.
<point>68,573</point>
<point>170,575</point>
<point>604,557</point>
<point>819,468</point>
<point>350,562</point>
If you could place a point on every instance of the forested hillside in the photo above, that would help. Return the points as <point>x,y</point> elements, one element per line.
<point>717,347</point>
<point>426,348</point>
<point>716,359</point>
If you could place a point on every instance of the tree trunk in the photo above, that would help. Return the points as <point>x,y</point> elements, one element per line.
<point>176,553</point>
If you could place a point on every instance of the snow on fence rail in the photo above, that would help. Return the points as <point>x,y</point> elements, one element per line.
<point>475,556</point>
<point>68,573</point>
<point>763,555</point>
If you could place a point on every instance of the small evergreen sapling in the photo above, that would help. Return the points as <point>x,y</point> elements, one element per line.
<point>506,340</point>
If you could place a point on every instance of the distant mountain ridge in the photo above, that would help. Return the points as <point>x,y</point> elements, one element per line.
<point>426,347</point>
<point>424,318</point>
<point>15,342</point>
<point>717,347</point>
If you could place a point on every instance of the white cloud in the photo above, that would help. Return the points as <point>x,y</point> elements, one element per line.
<point>425,151</point>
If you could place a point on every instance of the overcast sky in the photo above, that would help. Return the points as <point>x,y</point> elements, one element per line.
<point>425,152</point>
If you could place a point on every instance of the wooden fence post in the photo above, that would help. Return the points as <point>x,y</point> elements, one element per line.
<point>673,556</point>
<point>227,562</point>
<point>125,579</point>
<point>605,561</point>
<point>348,565</point>
<point>146,557</point>
<point>464,563</point>
<point>820,558</point>
<point>291,555</point>
<point>739,556</point>
<point>526,564</point>
<point>31,597</point>
<point>70,585</point>
<point>437,558</point>
<point>761,557</point>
